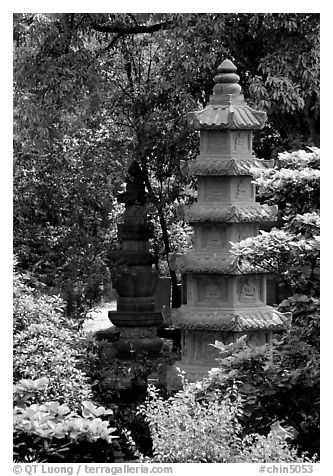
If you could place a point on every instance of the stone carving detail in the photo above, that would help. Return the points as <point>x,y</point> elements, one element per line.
<point>214,190</point>
<point>208,263</point>
<point>214,213</point>
<point>248,291</point>
<point>213,238</point>
<point>135,213</point>
<point>243,189</point>
<point>240,143</point>
<point>243,231</point>
<point>236,320</point>
<point>211,289</point>
<point>212,292</point>
<point>215,144</point>
<point>209,166</point>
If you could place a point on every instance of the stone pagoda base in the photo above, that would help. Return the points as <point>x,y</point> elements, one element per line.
<point>134,341</point>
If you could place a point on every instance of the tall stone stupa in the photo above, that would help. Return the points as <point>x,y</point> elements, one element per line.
<point>222,299</point>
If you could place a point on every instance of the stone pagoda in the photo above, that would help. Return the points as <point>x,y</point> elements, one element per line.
<point>223,300</point>
<point>135,319</point>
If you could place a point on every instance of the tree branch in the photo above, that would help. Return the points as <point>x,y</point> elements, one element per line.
<point>122,29</point>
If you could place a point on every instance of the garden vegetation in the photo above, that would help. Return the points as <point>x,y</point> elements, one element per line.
<point>93,91</point>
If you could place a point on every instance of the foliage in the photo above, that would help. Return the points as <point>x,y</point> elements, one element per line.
<point>293,251</point>
<point>48,344</point>
<point>294,257</point>
<point>277,76</point>
<point>65,217</point>
<point>288,387</point>
<point>293,184</point>
<point>287,78</point>
<point>51,432</point>
<point>180,238</point>
<point>186,429</point>
<point>276,385</point>
<point>93,91</point>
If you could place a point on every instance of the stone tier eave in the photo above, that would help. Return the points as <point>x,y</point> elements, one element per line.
<point>132,258</point>
<point>214,263</point>
<point>215,212</point>
<point>135,319</point>
<point>210,166</point>
<point>228,116</point>
<point>231,320</point>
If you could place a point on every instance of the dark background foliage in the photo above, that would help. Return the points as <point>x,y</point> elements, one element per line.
<point>93,91</point>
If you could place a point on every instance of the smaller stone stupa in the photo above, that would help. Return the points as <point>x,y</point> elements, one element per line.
<point>135,319</point>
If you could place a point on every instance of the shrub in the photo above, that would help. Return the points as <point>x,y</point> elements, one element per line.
<point>52,432</point>
<point>54,364</point>
<point>291,252</point>
<point>289,387</point>
<point>279,384</point>
<point>186,429</point>
<point>293,184</point>
<point>46,344</point>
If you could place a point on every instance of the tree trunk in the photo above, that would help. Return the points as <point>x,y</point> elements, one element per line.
<point>175,291</point>
<point>176,298</point>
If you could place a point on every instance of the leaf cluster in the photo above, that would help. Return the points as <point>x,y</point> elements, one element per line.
<point>52,432</point>
<point>47,344</point>
<point>188,428</point>
<point>293,251</point>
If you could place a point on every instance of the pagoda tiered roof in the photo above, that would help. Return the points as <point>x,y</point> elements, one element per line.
<point>210,166</point>
<point>227,108</point>
<point>232,320</point>
<point>230,116</point>
<point>213,212</point>
<point>215,263</point>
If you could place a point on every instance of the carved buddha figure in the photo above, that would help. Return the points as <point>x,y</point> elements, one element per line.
<point>241,189</point>
<point>248,292</point>
<point>212,292</point>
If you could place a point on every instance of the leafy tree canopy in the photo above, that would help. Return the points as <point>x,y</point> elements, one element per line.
<point>94,91</point>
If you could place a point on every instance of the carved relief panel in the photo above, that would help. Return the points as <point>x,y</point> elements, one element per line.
<point>211,237</point>
<point>241,231</point>
<point>215,142</point>
<point>250,290</point>
<point>211,291</point>
<point>242,189</point>
<point>241,142</point>
<point>214,189</point>
<point>202,350</point>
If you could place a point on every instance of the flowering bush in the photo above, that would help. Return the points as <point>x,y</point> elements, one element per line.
<point>46,344</point>
<point>291,252</point>
<point>293,184</point>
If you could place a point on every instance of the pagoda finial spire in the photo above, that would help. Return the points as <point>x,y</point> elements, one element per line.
<point>227,108</point>
<point>226,79</point>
